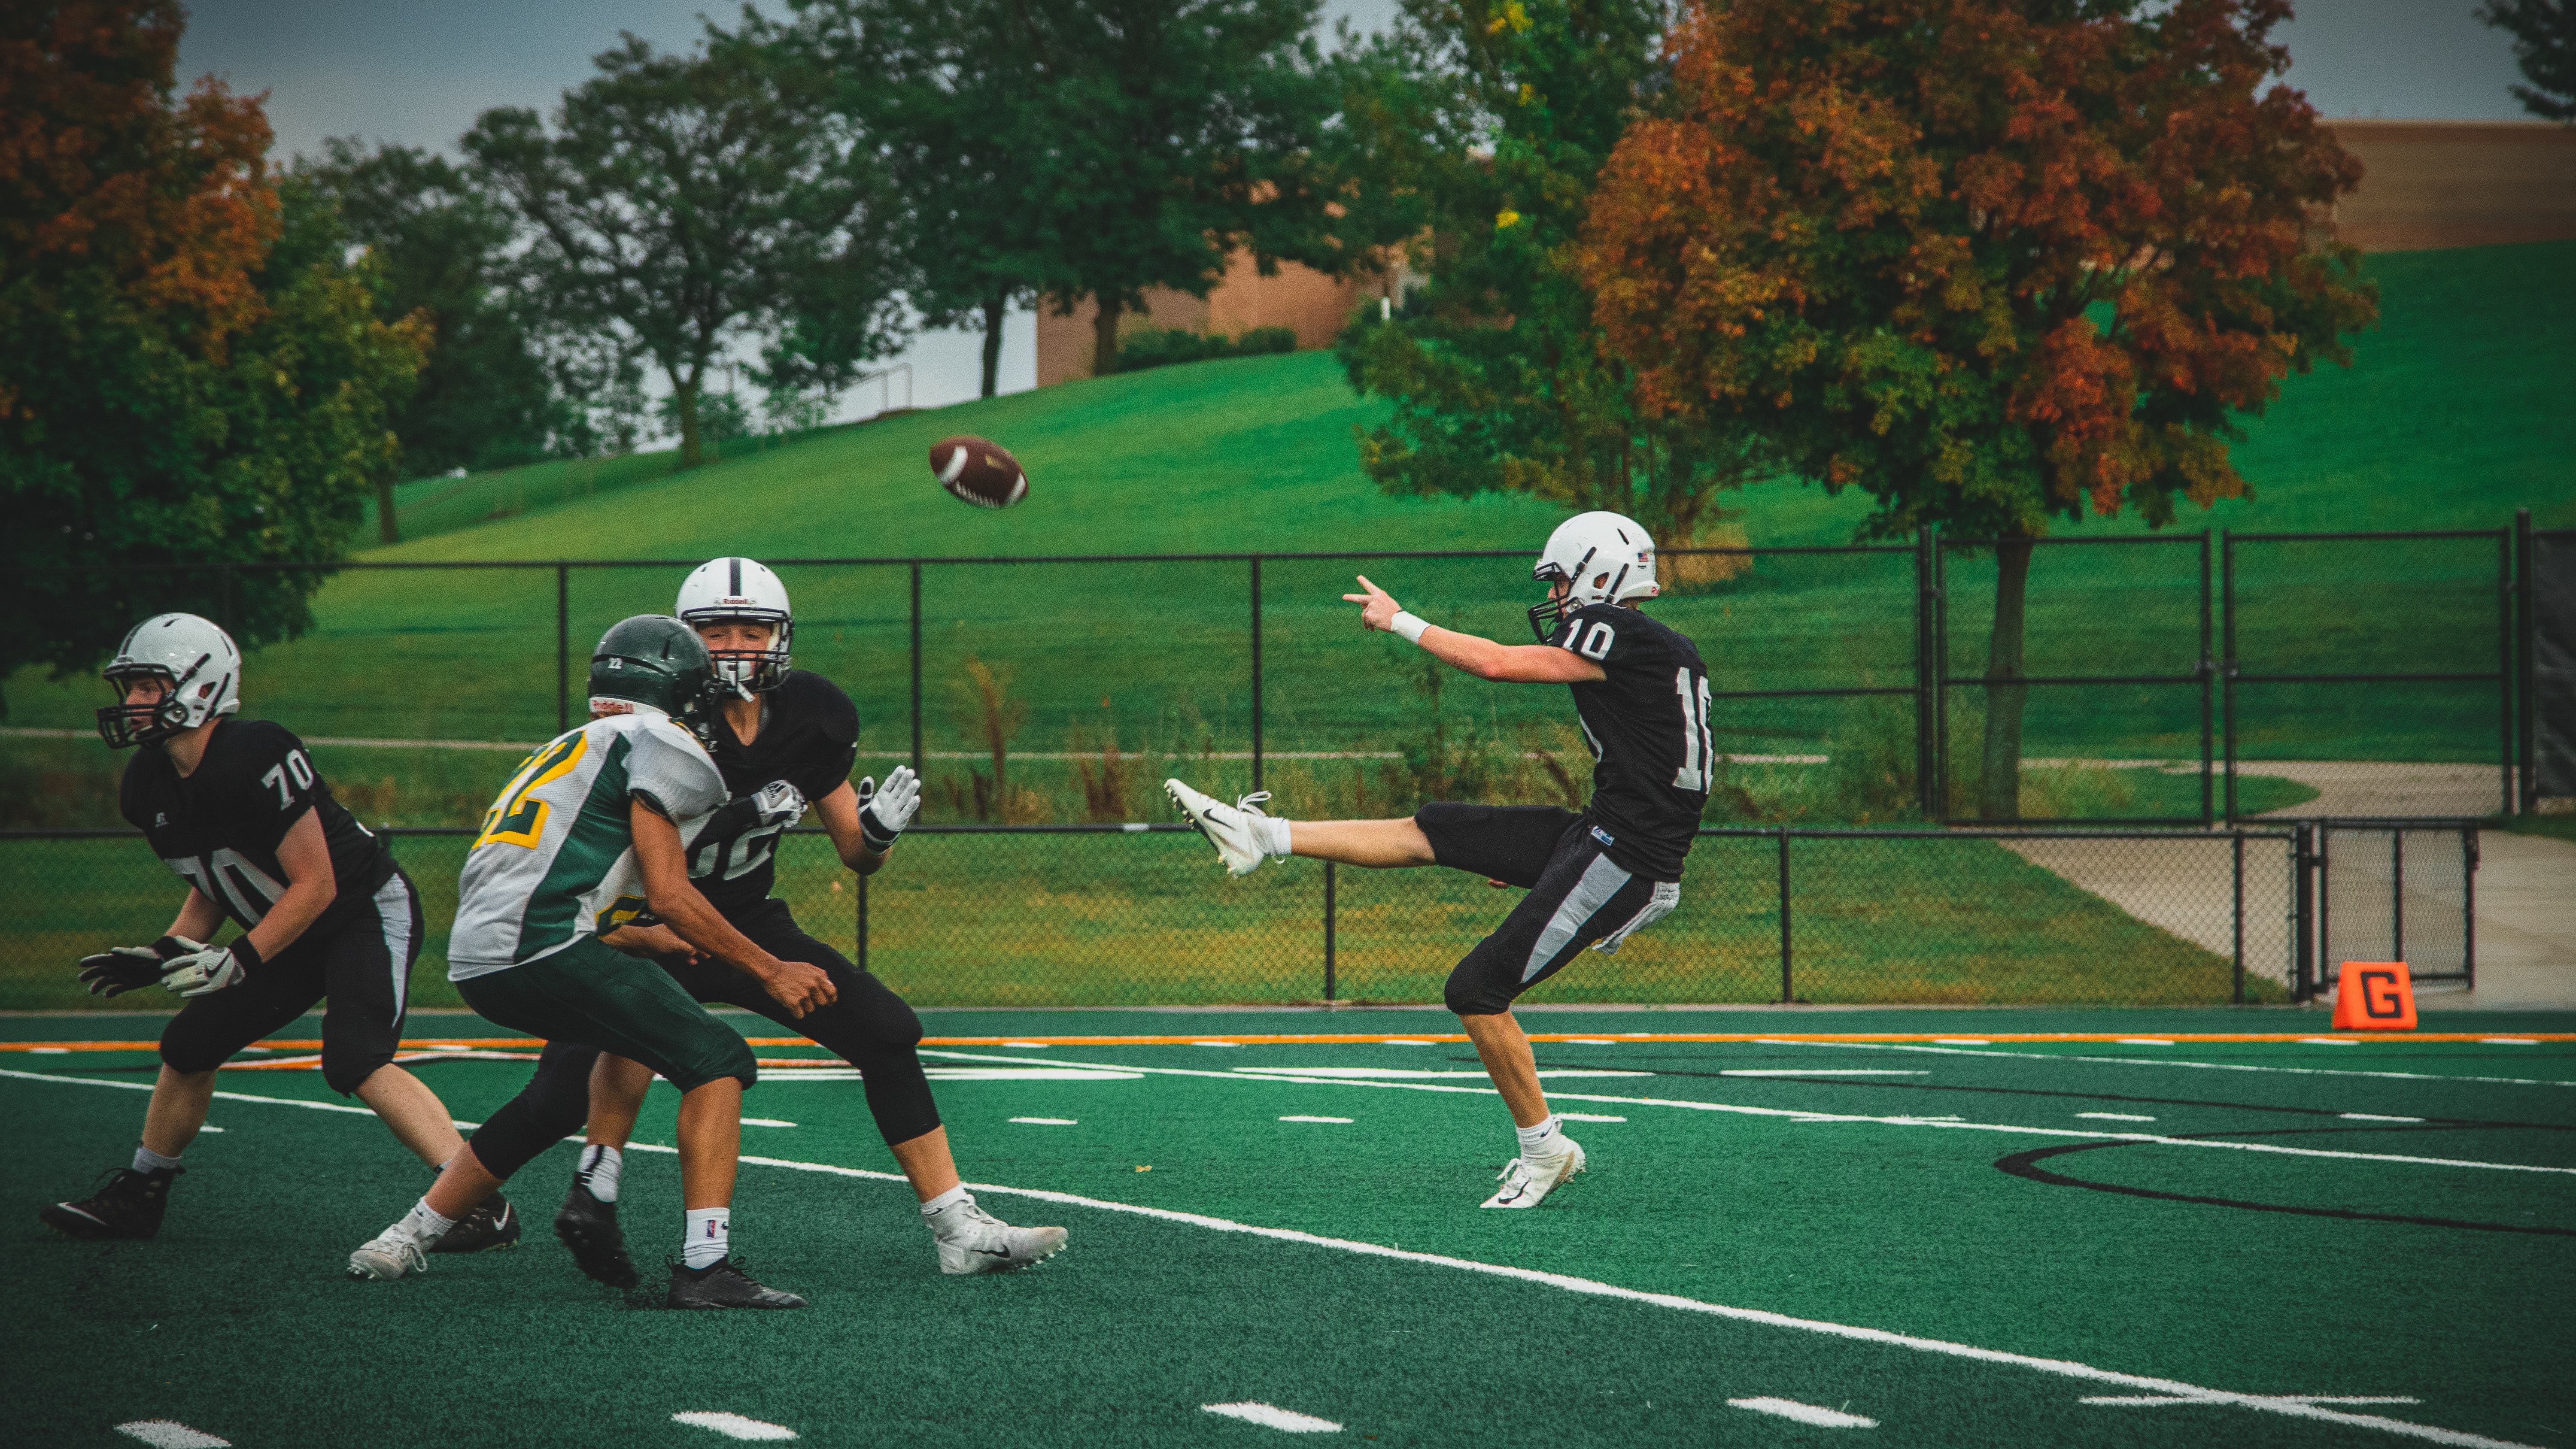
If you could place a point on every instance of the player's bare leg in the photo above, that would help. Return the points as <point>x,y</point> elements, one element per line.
<point>1505,1050</point>
<point>1377,844</point>
<point>1244,836</point>
<point>710,1143</point>
<point>411,1111</point>
<point>178,1110</point>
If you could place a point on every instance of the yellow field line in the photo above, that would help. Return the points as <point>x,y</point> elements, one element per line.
<point>1366,1038</point>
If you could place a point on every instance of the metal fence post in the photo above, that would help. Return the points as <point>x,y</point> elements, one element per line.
<point>2526,697</point>
<point>2207,670</point>
<point>1940,606</point>
<point>2227,661</point>
<point>563,648</point>
<point>1925,755</point>
<point>2397,894</point>
<point>1256,702</point>
<point>2469,903</point>
<point>2504,667</point>
<point>1785,994</point>
<point>2236,854</point>
<point>1328,930</point>
<point>2303,911</point>
<point>916,666</point>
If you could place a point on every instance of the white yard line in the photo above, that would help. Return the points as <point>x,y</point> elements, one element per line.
<point>734,1426</point>
<point>1955,1051</point>
<point>1821,1418</point>
<point>1271,1416</point>
<point>2063,1368</point>
<point>1255,1074</point>
<point>171,1434</point>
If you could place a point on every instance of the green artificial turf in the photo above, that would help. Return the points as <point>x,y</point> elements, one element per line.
<point>1906,1228</point>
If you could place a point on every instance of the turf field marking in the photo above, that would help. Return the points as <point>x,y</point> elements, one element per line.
<point>2066,1368</point>
<point>1255,1074</point>
<point>1217,1043</point>
<point>1810,1072</point>
<point>2157,1401</point>
<point>2374,1117</point>
<point>1891,1046</point>
<point>1428,1073</point>
<point>765,1122</point>
<point>1407,1041</point>
<point>2115,1116</point>
<point>2327,1041</point>
<point>2510,1040</point>
<point>1589,1041</point>
<point>1314,1119</point>
<point>1038,1044</point>
<point>1588,1117</point>
<point>1962,1040</point>
<point>2145,1041</point>
<point>1271,1416</point>
<point>171,1434</point>
<point>51,1051</point>
<point>1048,1121</point>
<point>734,1426</point>
<point>1805,1413</point>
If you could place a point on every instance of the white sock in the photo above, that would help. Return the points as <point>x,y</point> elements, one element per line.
<point>952,1197</point>
<point>710,1230</point>
<point>599,1169</point>
<point>423,1225</point>
<point>1535,1139</point>
<point>147,1160</point>
<point>1272,832</point>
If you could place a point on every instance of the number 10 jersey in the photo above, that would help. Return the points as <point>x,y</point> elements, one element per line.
<point>555,860</point>
<point>1647,724</point>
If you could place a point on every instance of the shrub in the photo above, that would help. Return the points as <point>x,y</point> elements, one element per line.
<point>1162,346</point>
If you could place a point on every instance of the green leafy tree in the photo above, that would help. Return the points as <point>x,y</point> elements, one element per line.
<point>1172,133</point>
<point>682,202</point>
<point>1475,131</point>
<point>440,245</point>
<point>2544,45</point>
<point>2000,264</point>
<point>190,374</point>
<point>943,90</point>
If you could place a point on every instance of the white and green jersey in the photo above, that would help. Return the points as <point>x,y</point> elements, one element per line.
<point>556,857</point>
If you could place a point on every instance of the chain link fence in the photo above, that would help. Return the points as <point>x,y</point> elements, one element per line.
<point>1143,915</point>
<point>2167,678</point>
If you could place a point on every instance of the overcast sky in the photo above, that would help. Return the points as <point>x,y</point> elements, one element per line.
<point>399,70</point>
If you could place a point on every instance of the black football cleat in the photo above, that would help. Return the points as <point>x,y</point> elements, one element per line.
<point>128,1204</point>
<point>723,1284</point>
<point>493,1225</point>
<point>589,1228</point>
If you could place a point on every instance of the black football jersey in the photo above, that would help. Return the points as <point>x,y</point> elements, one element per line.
<point>809,737</point>
<point>1647,724</point>
<point>219,828</point>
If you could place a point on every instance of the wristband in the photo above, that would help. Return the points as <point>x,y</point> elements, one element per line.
<point>244,953</point>
<point>1408,626</point>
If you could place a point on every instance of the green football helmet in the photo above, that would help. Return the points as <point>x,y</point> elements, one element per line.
<point>655,659</point>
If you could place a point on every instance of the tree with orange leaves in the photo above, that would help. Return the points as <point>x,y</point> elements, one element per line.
<point>190,371</point>
<point>1997,263</point>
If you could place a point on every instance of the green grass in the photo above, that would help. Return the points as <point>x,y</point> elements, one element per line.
<point>2448,420</point>
<point>1147,919</point>
<point>1904,1228</point>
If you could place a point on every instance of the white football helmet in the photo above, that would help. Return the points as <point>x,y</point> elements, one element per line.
<point>194,659</point>
<point>1606,558</point>
<point>739,590</point>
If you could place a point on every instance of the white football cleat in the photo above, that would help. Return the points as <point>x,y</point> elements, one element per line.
<point>389,1254</point>
<point>1228,827</point>
<point>1529,1178</point>
<point>972,1240</point>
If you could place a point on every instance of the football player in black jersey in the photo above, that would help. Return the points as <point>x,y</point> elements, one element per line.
<point>1593,878</point>
<point>236,810</point>
<point>787,738</point>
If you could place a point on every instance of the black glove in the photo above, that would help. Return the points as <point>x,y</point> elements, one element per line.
<point>123,968</point>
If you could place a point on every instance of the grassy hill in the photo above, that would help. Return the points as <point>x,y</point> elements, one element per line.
<point>2454,414</point>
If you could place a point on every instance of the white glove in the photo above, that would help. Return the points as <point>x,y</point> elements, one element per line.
<point>779,803</point>
<point>211,969</point>
<point>884,810</point>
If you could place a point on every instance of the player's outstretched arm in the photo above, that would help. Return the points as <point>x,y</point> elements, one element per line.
<point>865,820</point>
<point>1479,656</point>
<point>667,893</point>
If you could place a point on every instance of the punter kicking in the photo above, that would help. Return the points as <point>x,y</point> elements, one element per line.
<point>1594,878</point>
<point>592,831</point>
<point>784,736</point>
<point>237,810</point>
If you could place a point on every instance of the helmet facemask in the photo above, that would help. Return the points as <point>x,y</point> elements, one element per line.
<point>735,590</point>
<point>743,673</point>
<point>122,724</point>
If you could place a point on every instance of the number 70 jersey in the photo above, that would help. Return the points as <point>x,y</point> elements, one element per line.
<point>1647,724</point>
<point>555,859</point>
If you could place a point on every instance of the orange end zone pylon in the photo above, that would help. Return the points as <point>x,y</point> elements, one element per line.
<point>2374,996</point>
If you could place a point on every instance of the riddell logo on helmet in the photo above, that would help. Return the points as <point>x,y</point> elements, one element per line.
<point>733,599</point>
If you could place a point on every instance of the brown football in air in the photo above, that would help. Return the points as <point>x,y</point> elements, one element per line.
<point>978,471</point>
